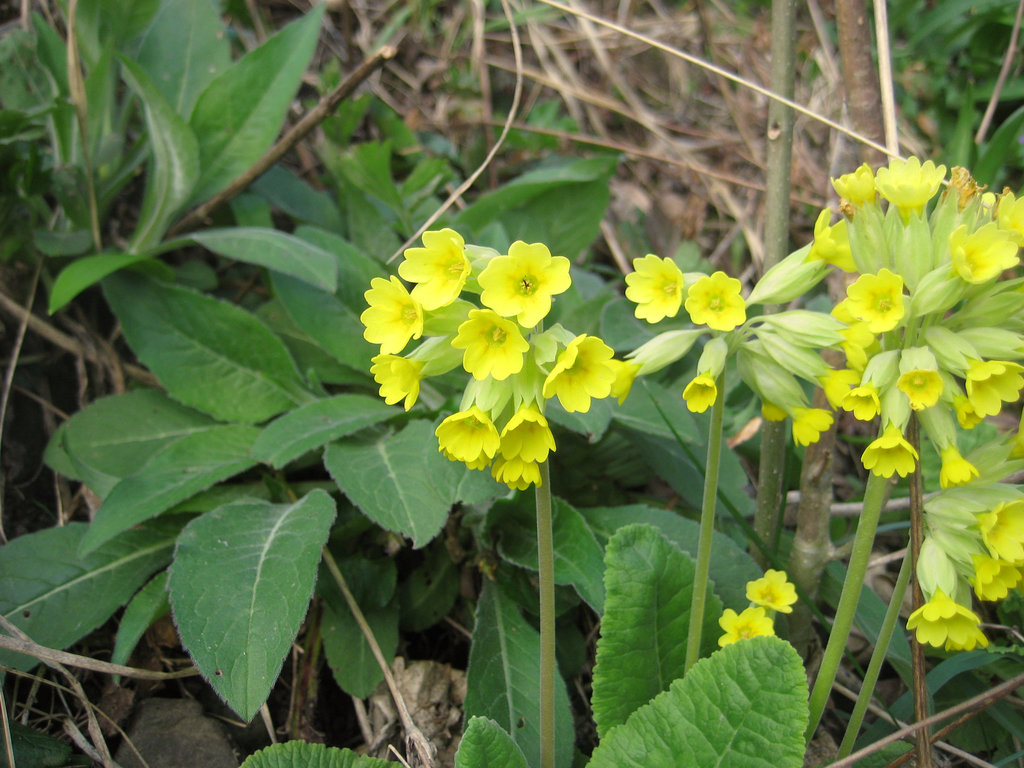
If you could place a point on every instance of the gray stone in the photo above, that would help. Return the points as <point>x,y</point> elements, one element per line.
<point>174,733</point>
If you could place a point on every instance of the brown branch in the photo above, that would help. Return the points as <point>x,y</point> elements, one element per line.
<point>859,81</point>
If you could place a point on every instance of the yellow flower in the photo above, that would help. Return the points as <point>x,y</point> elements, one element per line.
<point>837,383</point>
<point>753,622</point>
<point>439,269</point>
<point>857,187</point>
<point>857,340</point>
<point>990,383</point>
<point>493,345</point>
<point>908,184</point>
<point>398,377</point>
<point>526,436</point>
<point>393,316</point>
<point>581,372</point>
<point>809,423</point>
<point>625,375</point>
<point>1010,216</point>
<point>993,578</point>
<point>942,621</point>
<point>1002,530</point>
<point>890,454</point>
<point>715,302</point>
<point>982,255</point>
<point>832,243</point>
<point>863,402</point>
<point>522,283</point>
<point>468,436</point>
<point>965,413</point>
<point>878,300</point>
<point>772,412</point>
<point>922,388</point>
<point>656,287</point>
<point>700,393</point>
<point>516,473</point>
<point>956,470</point>
<point>773,592</point>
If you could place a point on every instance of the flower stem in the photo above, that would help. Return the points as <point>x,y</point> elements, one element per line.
<point>546,568</point>
<point>707,524</point>
<point>874,499</point>
<point>923,740</point>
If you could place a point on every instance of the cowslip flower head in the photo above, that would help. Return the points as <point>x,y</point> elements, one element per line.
<point>526,436</point>
<point>700,393</point>
<point>922,388</point>
<point>752,622</point>
<point>581,372</point>
<point>521,283</point>
<point>832,243</point>
<point>956,470</point>
<point>1010,216</point>
<point>439,269</point>
<point>1002,530</point>
<point>990,383</point>
<point>656,287</point>
<point>857,187</point>
<point>944,622</point>
<point>625,374</point>
<point>993,578</point>
<point>773,592</point>
<point>809,423</point>
<point>493,345</point>
<point>982,255</point>
<point>516,473</point>
<point>393,316</point>
<point>909,184</point>
<point>890,454</point>
<point>468,436</point>
<point>399,378</point>
<point>862,402</point>
<point>715,301</point>
<point>877,300</point>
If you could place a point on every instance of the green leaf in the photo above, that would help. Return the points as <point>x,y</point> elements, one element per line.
<point>642,648</point>
<point>743,707</point>
<point>647,408</point>
<point>579,559</point>
<point>148,605</point>
<point>239,114</point>
<point>314,424</point>
<point>290,194</point>
<point>274,250</point>
<point>352,663</point>
<point>35,749</point>
<point>302,754</point>
<point>87,271</point>
<point>241,580</point>
<point>209,354</point>
<point>402,483</point>
<point>429,592</point>
<point>175,167</point>
<point>503,679</point>
<point>181,470</point>
<point>485,744</point>
<point>57,597</point>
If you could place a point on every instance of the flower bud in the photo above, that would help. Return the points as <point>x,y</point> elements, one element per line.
<point>806,328</point>
<point>664,349</point>
<point>792,277</point>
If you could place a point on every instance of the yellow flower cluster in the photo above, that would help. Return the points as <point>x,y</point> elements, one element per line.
<point>768,595</point>
<point>515,366</point>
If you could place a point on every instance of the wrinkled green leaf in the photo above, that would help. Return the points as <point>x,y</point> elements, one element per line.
<point>743,707</point>
<point>148,605</point>
<point>302,754</point>
<point>644,629</point>
<point>240,584</point>
<point>485,744</point>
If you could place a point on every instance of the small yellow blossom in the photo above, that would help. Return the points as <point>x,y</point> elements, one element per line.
<point>715,301</point>
<point>526,436</point>
<point>837,383</point>
<point>890,454</point>
<point>809,423</point>
<point>857,187</point>
<point>967,417</point>
<point>956,470</point>
<point>878,300</point>
<point>468,436</point>
<point>493,345</point>
<point>581,372</point>
<point>700,393</point>
<point>1010,216</point>
<point>908,184</point>
<point>862,402</point>
<point>832,243</point>
<point>773,592</point>
<point>393,316</point>
<point>942,621</point>
<point>516,473</point>
<point>982,255</point>
<point>922,388</point>
<point>522,283</point>
<point>753,622</point>
<point>993,578</point>
<point>625,374</point>
<point>1002,530</point>
<point>990,383</point>
<point>656,287</point>
<point>439,269</point>
<point>399,378</point>
<point>772,412</point>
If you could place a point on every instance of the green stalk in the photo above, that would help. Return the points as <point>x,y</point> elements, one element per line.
<point>877,658</point>
<point>707,524</point>
<point>874,499</point>
<point>546,567</point>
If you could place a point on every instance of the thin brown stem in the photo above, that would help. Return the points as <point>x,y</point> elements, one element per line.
<point>862,91</point>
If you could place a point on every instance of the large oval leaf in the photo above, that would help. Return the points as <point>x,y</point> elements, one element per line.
<point>302,754</point>
<point>274,250</point>
<point>486,745</point>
